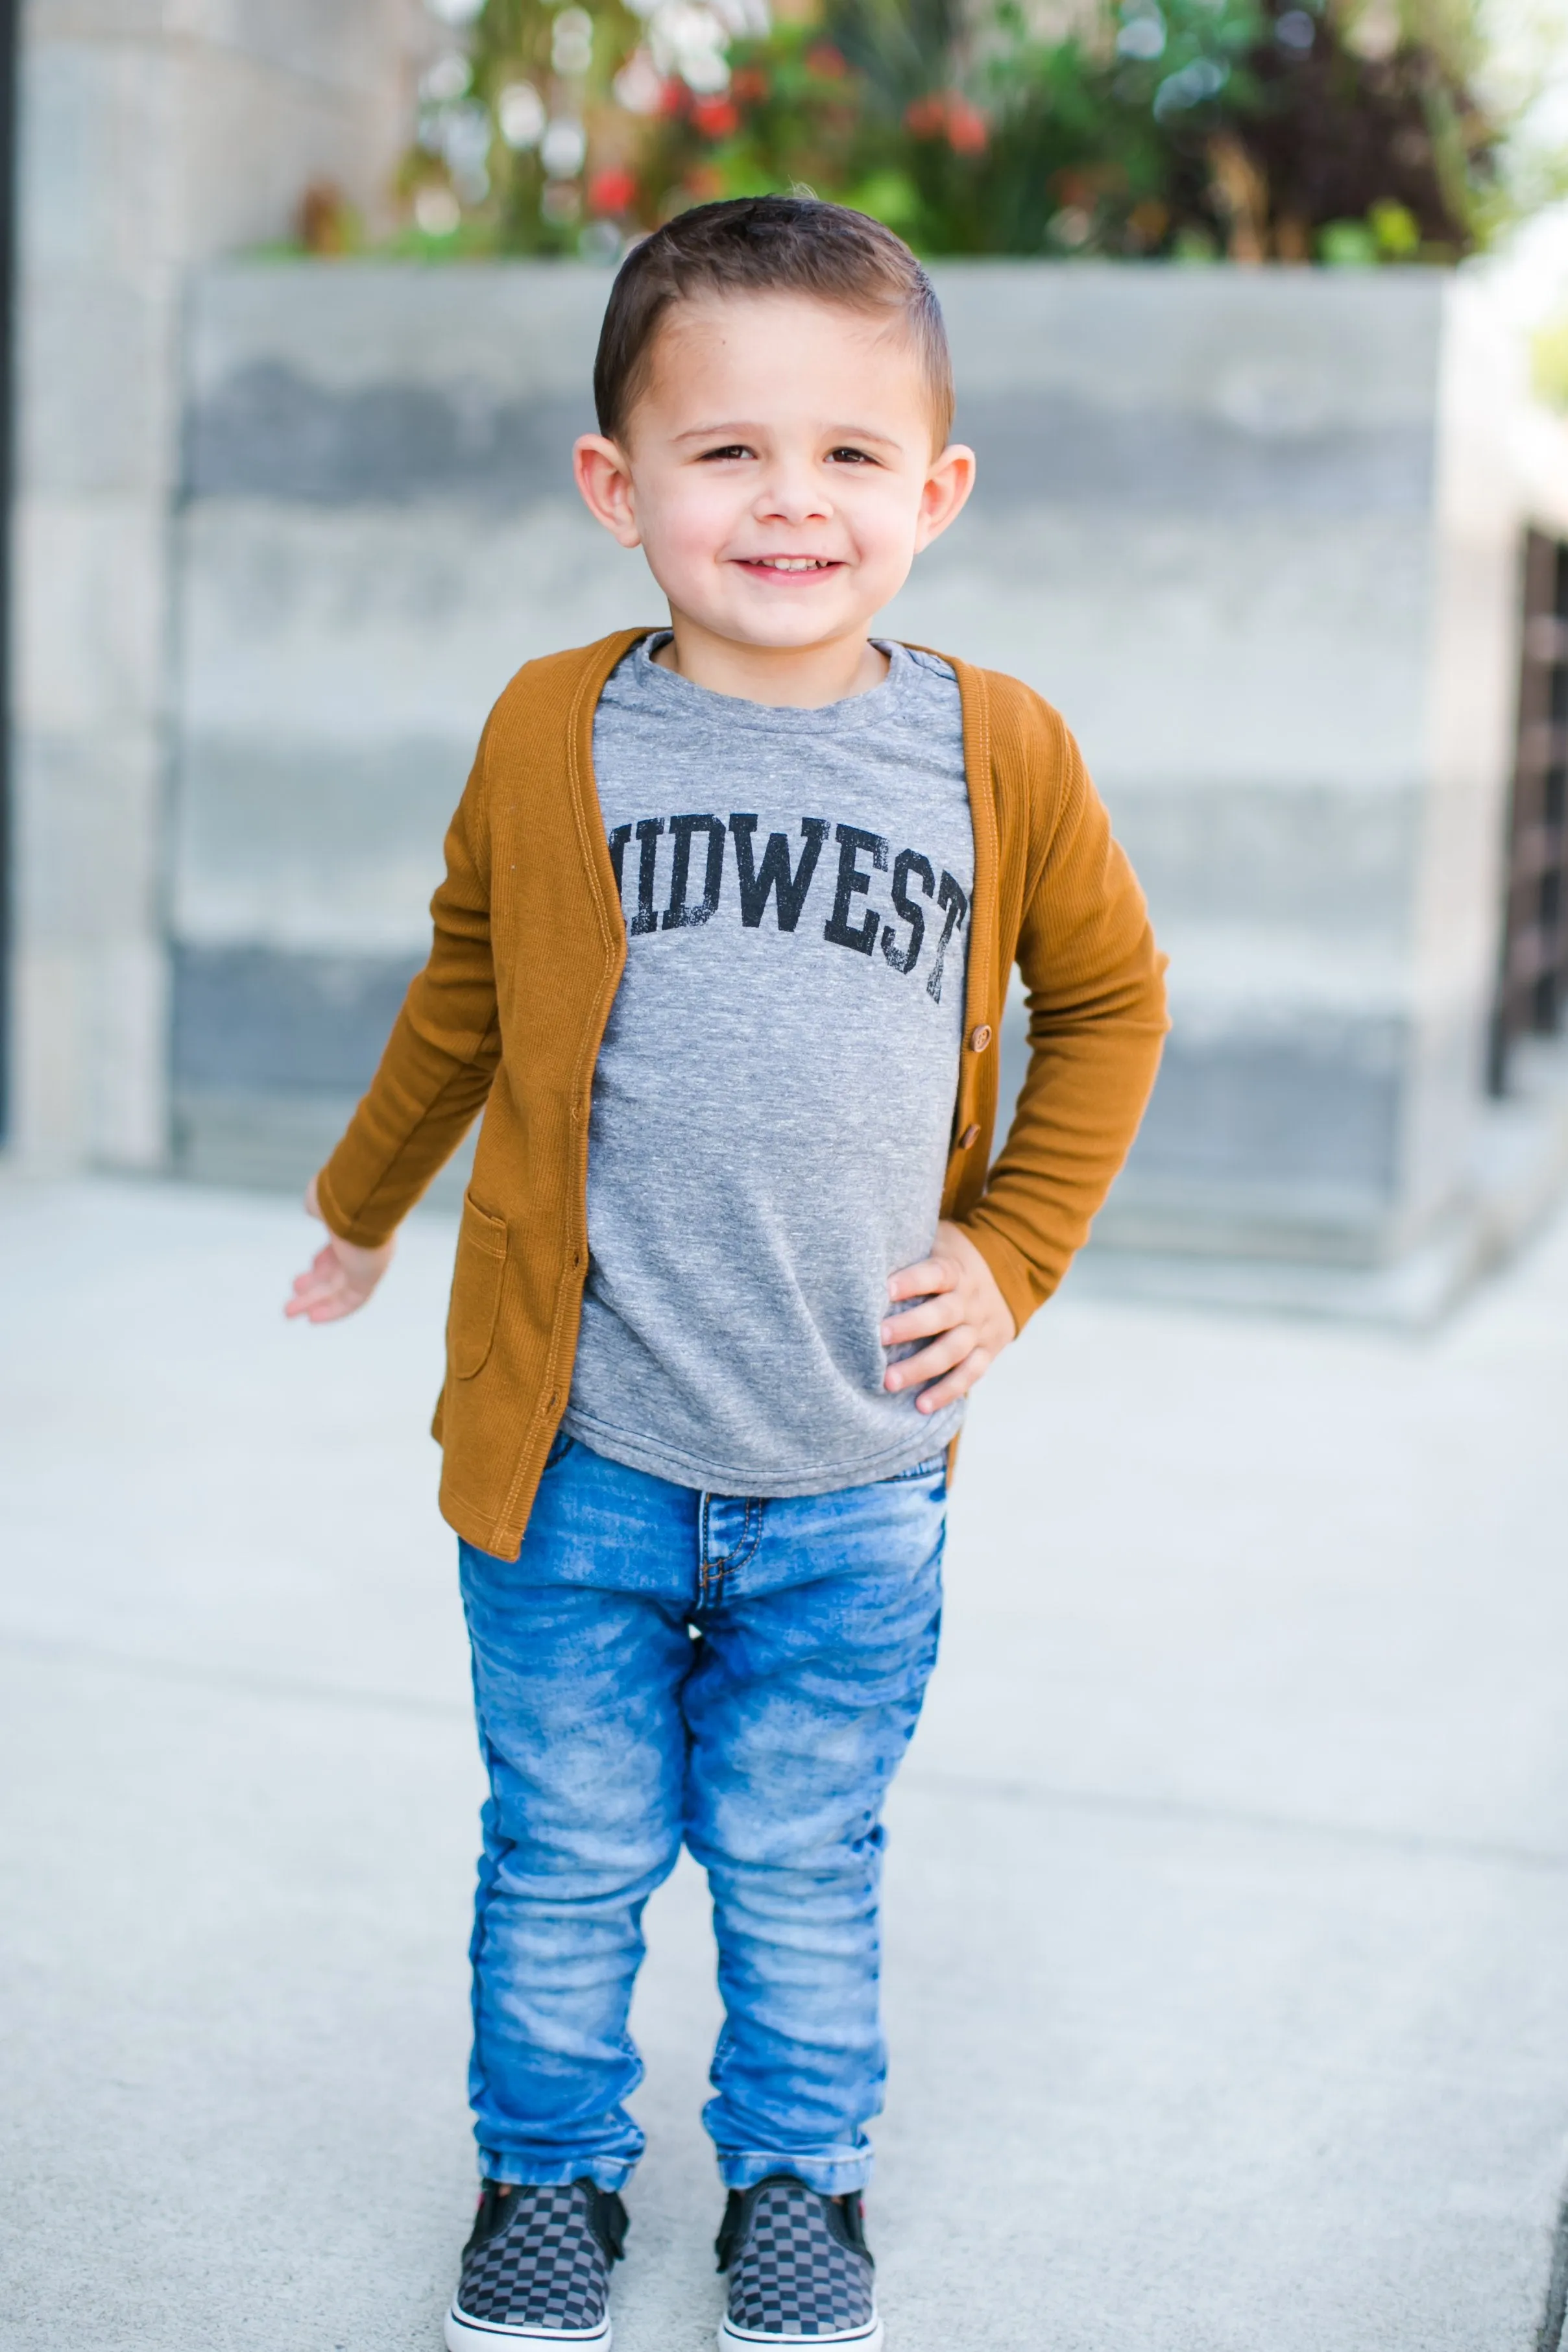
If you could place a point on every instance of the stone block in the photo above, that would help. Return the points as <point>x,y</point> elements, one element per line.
<point>309,846</point>
<point>1259,649</point>
<point>258,1021</point>
<point>90,629</point>
<point>97,413</point>
<point>276,1142</point>
<point>367,623</point>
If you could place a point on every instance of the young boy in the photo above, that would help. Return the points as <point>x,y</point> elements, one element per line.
<point>722,952</point>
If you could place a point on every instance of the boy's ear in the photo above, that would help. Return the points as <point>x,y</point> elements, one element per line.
<point>604,477</point>
<point>948,485</point>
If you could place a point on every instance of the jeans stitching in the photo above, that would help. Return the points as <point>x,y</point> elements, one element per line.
<point>713,1572</point>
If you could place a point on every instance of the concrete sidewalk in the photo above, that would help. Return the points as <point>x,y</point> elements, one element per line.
<point>1229,1884</point>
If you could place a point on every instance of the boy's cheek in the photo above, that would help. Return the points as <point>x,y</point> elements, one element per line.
<point>691,539</point>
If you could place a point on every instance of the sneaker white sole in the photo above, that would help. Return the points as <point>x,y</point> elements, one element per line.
<point>860,2339</point>
<point>465,2335</point>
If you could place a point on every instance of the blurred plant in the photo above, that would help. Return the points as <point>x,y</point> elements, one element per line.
<point>327,222</point>
<point>1259,128</point>
<point>1344,131</point>
<point>1549,363</point>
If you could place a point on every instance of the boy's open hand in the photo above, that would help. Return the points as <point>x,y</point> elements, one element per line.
<point>338,1277</point>
<point>962,1312</point>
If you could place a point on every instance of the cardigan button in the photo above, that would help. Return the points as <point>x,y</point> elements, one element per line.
<point>969,1138</point>
<point>980,1038</point>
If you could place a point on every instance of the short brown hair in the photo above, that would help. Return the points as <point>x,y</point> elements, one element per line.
<point>764,245</point>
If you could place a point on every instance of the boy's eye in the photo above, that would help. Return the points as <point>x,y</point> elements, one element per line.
<point>847,456</point>
<point>730,449</point>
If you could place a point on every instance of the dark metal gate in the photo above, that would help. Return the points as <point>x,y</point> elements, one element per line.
<point>1533,979</point>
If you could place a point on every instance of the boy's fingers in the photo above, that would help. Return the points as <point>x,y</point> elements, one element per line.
<point>306,1301</point>
<point>328,1311</point>
<point>916,1281</point>
<point>327,1302</point>
<point>920,1322</point>
<point>323,1283</point>
<point>957,1383</point>
<point>939,1357</point>
<point>318,1281</point>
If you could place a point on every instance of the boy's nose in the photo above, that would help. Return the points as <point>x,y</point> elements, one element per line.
<point>793,498</point>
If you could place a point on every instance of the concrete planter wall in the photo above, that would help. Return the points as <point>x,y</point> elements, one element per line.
<point>151,139</point>
<point>1254,532</point>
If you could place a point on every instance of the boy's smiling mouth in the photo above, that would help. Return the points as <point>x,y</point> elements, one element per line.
<point>788,563</point>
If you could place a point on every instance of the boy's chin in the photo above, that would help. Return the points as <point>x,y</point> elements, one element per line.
<point>793,627</point>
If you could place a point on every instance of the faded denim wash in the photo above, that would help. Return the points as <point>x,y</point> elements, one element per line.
<point>661,1664</point>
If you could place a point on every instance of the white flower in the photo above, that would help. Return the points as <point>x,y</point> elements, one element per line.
<point>639,86</point>
<point>1375,32</point>
<point>1202,79</point>
<point>563,148</point>
<point>571,42</point>
<point>520,111</point>
<point>454,12</point>
<point>1143,36</point>
<point>690,39</point>
<point>437,210</point>
<point>447,79</point>
<point>706,71</point>
<point>743,20</point>
<point>466,139</point>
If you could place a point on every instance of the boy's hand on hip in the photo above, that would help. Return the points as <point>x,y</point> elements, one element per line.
<point>339,1278</point>
<point>961,1313</point>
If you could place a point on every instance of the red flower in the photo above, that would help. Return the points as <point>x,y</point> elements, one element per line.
<point>715,118</point>
<point>826,61</point>
<point>672,97</point>
<point>967,134</point>
<point>612,190</point>
<point>749,85</point>
<point>945,114</point>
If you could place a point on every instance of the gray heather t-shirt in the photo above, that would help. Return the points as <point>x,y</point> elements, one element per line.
<point>772,1109</point>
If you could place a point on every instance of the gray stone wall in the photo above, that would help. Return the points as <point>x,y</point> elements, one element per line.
<point>153,133</point>
<point>1254,532</point>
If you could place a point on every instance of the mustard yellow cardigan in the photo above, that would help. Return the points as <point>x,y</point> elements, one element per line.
<point>507,1014</point>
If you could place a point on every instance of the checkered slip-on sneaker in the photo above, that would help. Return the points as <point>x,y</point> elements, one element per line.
<point>536,2268</point>
<point>799,2269</point>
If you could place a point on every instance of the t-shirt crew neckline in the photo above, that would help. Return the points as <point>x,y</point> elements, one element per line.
<point>851,712</point>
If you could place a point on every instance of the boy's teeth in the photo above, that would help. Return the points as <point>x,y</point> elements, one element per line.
<point>792,562</point>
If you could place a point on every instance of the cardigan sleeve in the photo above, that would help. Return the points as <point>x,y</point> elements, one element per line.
<point>442,1056</point>
<point>1094,983</point>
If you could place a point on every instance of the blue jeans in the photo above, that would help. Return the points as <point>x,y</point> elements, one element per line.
<point>661,1664</point>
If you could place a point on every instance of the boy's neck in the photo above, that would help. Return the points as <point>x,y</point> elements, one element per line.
<point>795,678</point>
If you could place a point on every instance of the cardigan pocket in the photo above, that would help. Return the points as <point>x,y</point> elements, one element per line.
<point>476,1289</point>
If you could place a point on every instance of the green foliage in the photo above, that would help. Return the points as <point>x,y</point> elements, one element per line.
<point>1549,363</point>
<point>1344,130</point>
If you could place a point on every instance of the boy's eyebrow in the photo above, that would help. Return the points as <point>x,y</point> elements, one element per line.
<point>731,431</point>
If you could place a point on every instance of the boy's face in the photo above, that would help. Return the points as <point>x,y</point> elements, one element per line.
<point>778,471</point>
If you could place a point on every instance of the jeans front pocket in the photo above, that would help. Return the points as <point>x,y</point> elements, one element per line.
<point>476,1289</point>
